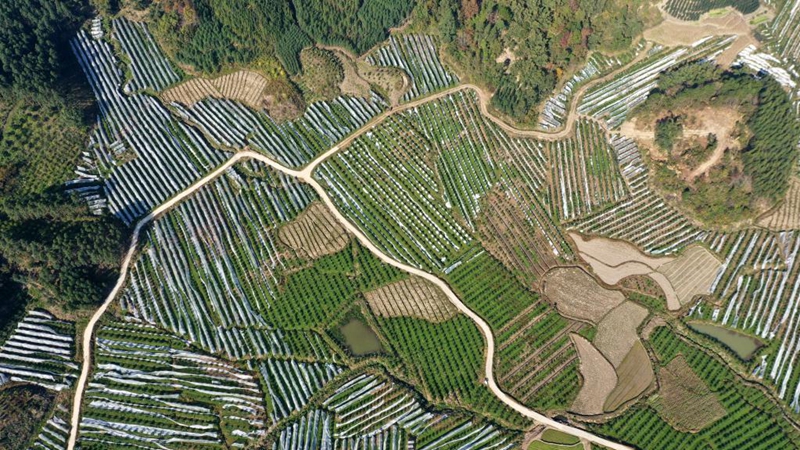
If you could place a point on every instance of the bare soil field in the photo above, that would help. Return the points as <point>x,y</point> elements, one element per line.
<point>673,32</point>
<point>243,86</point>
<point>684,399</point>
<point>413,297</point>
<point>787,215</point>
<point>635,375</point>
<point>613,253</point>
<point>613,275</point>
<point>692,273</point>
<point>599,378</point>
<point>616,333</point>
<point>577,295</point>
<point>613,260</point>
<point>314,233</point>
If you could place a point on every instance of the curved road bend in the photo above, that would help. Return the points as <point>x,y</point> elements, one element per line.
<point>306,175</point>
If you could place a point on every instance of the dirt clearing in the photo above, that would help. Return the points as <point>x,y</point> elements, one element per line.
<point>673,32</point>
<point>314,233</point>
<point>413,297</point>
<point>692,273</point>
<point>684,400</point>
<point>616,333</point>
<point>599,378</point>
<point>635,375</point>
<point>698,124</point>
<point>577,295</point>
<point>679,278</point>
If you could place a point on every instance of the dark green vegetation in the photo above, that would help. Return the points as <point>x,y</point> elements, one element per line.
<point>22,410</point>
<point>693,9</point>
<point>34,34</point>
<point>748,179</point>
<point>752,419</point>
<point>51,249</point>
<point>210,34</point>
<point>546,39</point>
<point>667,130</point>
<point>446,360</point>
<point>536,362</point>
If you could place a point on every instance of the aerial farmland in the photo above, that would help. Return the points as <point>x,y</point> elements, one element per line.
<point>296,225</point>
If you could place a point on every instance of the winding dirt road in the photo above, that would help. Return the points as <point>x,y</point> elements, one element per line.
<point>305,174</point>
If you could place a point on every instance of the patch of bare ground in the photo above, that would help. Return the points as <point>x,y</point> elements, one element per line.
<point>612,275</point>
<point>577,295</point>
<point>507,235</point>
<point>684,400</point>
<point>507,57</point>
<point>412,297</point>
<point>692,273</point>
<point>314,233</point>
<point>683,278</point>
<point>616,333</point>
<point>599,378</point>
<point>787,215</point>
<point>635,375</point>
<point>674,32</point>
<point>698,124</point>
<point>614,253</point>
<point>243,86</point>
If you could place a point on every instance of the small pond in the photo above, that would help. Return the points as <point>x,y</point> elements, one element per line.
<point>360,338</point>
<point>743,345</point>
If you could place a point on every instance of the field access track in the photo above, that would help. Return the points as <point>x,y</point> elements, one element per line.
<point>305,175</point>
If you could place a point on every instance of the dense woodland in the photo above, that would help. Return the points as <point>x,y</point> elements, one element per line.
<point>522,49</point>
<point>209,34</point>
<point>749,178</point>
<point>52,250</point>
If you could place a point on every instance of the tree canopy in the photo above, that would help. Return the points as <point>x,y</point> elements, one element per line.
<point>33,36</point>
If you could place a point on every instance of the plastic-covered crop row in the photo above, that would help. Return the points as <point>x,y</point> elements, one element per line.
<point>150,390</point>
<point>644,218</point>
<point>417,55</point>
<point>40,351</point>
<point>140,154</point>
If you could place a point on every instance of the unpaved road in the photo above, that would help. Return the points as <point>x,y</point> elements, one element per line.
<point>305,174</point>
